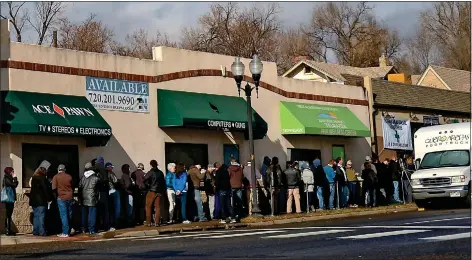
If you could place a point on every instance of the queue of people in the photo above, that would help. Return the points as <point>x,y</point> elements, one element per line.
<point>219,191</point>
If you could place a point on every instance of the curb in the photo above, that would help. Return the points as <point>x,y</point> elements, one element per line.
<point>170,230</point>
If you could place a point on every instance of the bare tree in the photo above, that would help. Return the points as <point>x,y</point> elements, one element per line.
<point>448,23</point>
<point>90,35</point>
<point>422,50</point>
<point>17,15</point>
<point>45,15</point>
<point>139,44</point>
<point>230,30</point>
<point>352,33</point>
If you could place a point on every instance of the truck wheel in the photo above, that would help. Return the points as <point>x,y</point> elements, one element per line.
<point>421,203</point>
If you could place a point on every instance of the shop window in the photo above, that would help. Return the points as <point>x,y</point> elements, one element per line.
<point>189,154</point>
<point>307,155</point>
<point>34,154</point>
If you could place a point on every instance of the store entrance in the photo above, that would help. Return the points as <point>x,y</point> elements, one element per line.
<point>307,155</point>
<point>189,154</point>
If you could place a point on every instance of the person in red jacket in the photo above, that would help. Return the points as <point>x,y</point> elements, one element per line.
<point>236,178</point>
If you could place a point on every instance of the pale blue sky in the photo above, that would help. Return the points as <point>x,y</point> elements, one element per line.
<point>170,17</point>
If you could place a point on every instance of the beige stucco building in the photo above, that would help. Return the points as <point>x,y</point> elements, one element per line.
<point>138,137</point>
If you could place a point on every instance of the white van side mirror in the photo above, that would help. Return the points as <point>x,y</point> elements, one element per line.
<point>417,163</point>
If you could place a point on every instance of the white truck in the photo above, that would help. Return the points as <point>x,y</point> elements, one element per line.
<point>442,159</point>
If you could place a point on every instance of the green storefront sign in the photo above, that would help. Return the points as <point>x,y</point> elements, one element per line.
<point>313,119</point>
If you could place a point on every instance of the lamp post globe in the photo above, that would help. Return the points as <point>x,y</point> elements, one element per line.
<point>256,67</point>
<point>237,68</point>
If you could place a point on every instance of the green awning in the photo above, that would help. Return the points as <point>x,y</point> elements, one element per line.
<point>313,119</point>
<point>51,114</point>
<point>198,110</point>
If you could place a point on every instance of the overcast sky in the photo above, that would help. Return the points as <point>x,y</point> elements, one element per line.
<point>170,17</point>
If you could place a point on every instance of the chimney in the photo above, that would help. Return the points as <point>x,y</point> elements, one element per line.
<point>383,61</point>
<point>54,39</point>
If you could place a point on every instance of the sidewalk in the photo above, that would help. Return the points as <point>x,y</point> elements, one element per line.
<point>142,231</point>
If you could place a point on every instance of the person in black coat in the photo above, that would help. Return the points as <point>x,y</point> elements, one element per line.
<point>40,196</point>
<point>370,182</point>
<point>384,182</point>
<point>223,187</point>
<point>321,182</point>
<point>9,182</point>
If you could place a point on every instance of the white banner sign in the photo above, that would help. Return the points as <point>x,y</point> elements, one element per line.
<point>396,134</point>
<point>120,95</point>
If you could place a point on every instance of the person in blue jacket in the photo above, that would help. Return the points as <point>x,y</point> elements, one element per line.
<point>330,175</point>
<point>170,190</point>
<point>180,187</point>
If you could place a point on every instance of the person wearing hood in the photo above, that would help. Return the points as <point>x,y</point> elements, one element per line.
<point>62,184</point>
<point>114,195</point>
<point>276,183</point>
<point>330,175</point>
<point>40,197</point>
<point>292,175</point>
<point>309,181</point>
<point>236,178</point>
<point>248,184</point>
<point>127,184</point>
<point>139,194</point>
<point>180,187</point>
<point>156,183</point>
<point>88,190</point>
<point>321,182</point>
<point>197,179</point>
<point>171,167</point>
<point>10,182</point>
<point>223,186</point>
<point>103,189</point>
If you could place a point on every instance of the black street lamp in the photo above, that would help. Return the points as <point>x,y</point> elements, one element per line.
<point>237,68</point>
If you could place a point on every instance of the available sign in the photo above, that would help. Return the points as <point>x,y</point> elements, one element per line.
<point>70,130</point>
<point>396,134</point>
<point>119,95</point>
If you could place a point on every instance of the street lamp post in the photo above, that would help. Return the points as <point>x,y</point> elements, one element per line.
<point>237,68</point>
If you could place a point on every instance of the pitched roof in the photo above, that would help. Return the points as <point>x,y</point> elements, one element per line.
<point>397,94</point>
<point>455,79</point>
<point>334,71</point>
<point>415,79</point>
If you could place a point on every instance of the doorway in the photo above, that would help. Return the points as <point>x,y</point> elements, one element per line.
<point>339,151</point>
<point>188,154</point>
<point>230,150</point>
<point>307,155</point>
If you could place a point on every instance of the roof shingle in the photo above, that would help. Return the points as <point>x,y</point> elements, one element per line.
<point>404,95</point>
<point>458,80</point>
<point>335,70</point>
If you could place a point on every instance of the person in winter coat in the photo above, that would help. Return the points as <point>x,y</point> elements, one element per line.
<point>170,175</point>
<point>115,197</point>
<point>384,181</point>
<point>9,182</point>
<point>155,181</point>
<point>330,175</point>
<point>309,187</point>
<point>62,184</point>
<point>197,179</point>
<point>139,194</point>
<point>104,193</point>
<point>236,178</point>
<point>275,176</point>
<point>248,184</point>
<point>210,190</point>
<point>223,186</point>
<point>180,185</point>
<point>394,168</point>
<point>353,183</point>
<point>293,179</point>
<point>370,182</point>
<point>407,189</point>
<point>89,192</point>
<point>127,184</point>
<point>341,178</point>
<point>321,182</point>
<point>40,197</point>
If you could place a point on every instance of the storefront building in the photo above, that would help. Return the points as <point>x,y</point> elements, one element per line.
<point>69,107</point>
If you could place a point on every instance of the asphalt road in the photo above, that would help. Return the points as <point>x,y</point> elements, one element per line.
<point>429,235</point>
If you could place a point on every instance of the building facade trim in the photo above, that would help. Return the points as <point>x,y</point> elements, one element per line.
<point>12,64</point>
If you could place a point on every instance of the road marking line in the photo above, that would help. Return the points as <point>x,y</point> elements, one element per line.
<point>419,227</point>
<point>170,237</point>
<point>315,233</point>
<point>384,234</point>
<point>436,220</point>
<point>107,239</point>
<point>448,237</point>
<point>245,234</point>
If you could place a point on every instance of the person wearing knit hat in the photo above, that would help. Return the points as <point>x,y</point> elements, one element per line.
<point>140,194</point>
<point>62,183</point>
<point>89,198</point>
<point>10,182</point>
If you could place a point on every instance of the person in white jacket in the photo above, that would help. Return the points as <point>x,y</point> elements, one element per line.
<point>308,180</point>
